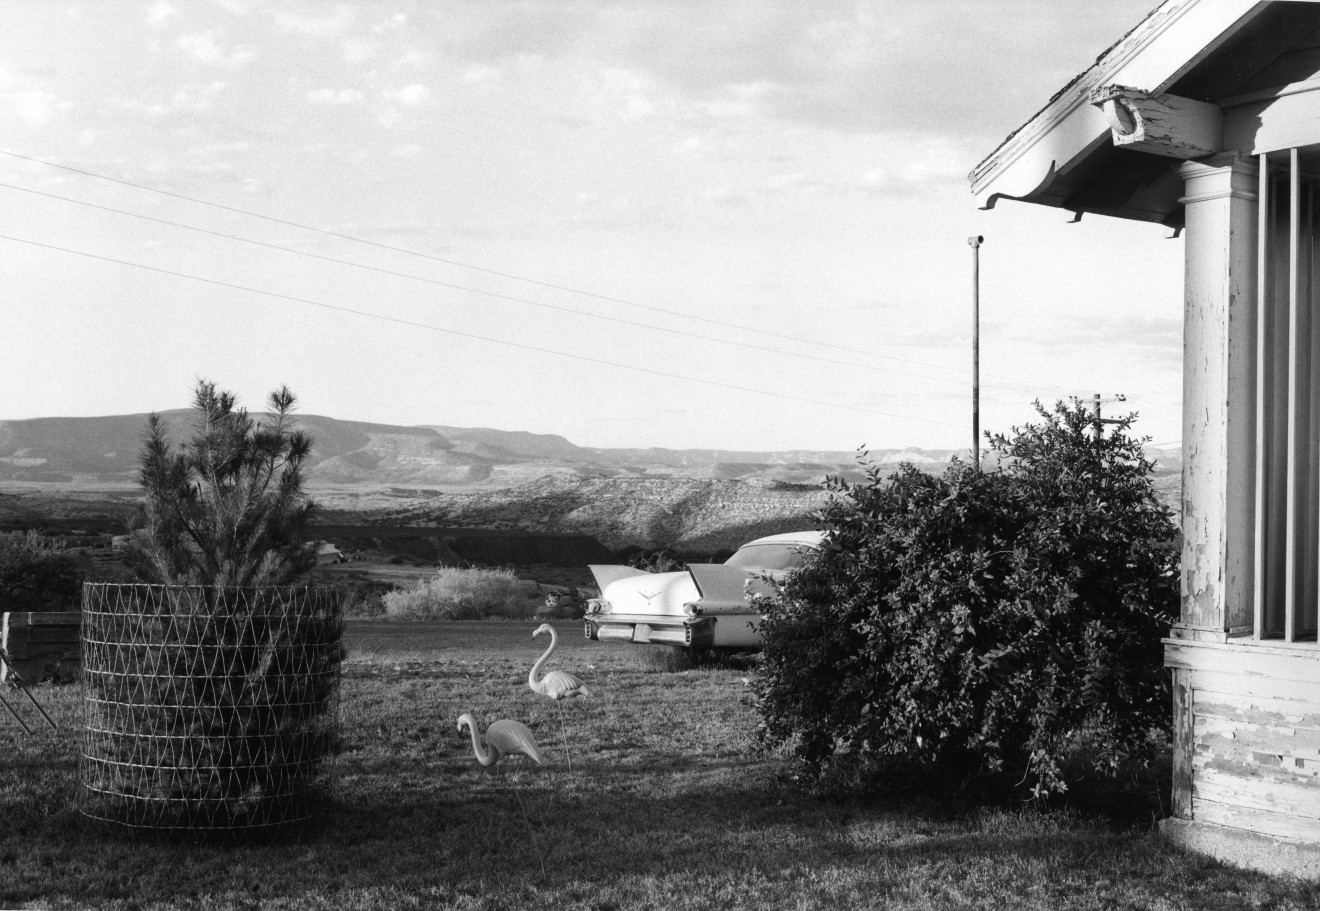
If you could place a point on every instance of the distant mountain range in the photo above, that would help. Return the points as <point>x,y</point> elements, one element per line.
<point>701,500</point>
<point>104,450</point>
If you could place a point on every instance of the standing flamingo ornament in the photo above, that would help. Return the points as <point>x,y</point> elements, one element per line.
<point>555,684</point>
<point>502,738</point>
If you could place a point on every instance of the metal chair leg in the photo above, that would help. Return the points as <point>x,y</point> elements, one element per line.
<point>18,681</point>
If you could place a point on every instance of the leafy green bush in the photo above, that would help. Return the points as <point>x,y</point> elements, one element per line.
<point>460,593</point>
<point>1004,622</point>
<point>36,575</point>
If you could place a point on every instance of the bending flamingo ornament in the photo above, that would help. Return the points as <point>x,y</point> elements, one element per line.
<point>555,684</point>
<point>502,738</point>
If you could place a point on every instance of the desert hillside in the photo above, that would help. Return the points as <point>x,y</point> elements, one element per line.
<point>82,472</point>
<point>690,514</point>
<point>103,450</point>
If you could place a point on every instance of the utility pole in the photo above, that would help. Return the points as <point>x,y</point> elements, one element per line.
<point>1099,422</point>
<point>975,243</point>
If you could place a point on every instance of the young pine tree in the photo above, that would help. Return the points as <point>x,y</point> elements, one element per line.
<point>227,507</point>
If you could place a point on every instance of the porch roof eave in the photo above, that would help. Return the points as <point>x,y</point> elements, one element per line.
<point>1045,160</point>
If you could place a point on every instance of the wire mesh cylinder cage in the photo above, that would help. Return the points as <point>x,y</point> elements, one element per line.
<point>211,710</point>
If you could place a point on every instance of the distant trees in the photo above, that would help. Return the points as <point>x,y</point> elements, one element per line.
<point>227,507</point>
<point>1004,622</point>
<point>36,575</point>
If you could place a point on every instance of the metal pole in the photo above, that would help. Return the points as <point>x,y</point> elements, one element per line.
<point>976,349</point>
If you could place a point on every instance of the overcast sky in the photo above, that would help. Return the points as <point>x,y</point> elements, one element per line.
<point>629,222</point>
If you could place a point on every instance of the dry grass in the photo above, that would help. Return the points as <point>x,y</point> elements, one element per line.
<point>460,593</point>
<point>669,804</point>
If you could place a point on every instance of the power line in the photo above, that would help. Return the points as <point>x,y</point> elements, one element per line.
<point>480,291</point>
<point>469,335</point>
<point>509,275</point>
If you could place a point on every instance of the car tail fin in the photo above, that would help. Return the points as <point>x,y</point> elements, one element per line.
<point>720,584</point>
<point>605,574</point>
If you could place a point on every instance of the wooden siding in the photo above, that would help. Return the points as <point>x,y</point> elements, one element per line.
<point>1254,712</point>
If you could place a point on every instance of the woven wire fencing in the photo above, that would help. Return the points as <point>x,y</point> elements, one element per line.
<point>211,710</point>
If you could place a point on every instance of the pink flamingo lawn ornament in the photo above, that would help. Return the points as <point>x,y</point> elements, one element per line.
<point>502,738</point>
<point>555,684</point>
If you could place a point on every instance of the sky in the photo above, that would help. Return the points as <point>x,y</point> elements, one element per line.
<point>677,223</point>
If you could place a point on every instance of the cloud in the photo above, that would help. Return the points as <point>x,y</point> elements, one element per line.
<point>613,93</point>
<point>412,59</point>
<point>357,50</point>
<point>492,33</point>
<point>688,146</point>
<point>183,105</point>
<point>397,21</point>
<point>237,7</point>
<point>206,47</point>
<point>728,197</point>
<point>36,107</point>
<point>481,73</point>
<point>315,26</point>
<point>219,148</point>
<point>410,96</point>
<point>777,182</point>
<point>930,162</point>
<point>920,165</point>
<point>333,97</point>
<point>831,64</point>
<point>1131,332</point>
<point>159,11</point>
<point>200,175</point>
<point>636,107</point>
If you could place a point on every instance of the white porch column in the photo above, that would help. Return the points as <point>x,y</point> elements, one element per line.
<point>1219,398</point>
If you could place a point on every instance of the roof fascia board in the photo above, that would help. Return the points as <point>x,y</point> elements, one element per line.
<point>1172,39</point>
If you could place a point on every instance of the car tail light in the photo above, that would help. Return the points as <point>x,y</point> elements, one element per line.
<point>598,606</point>
<point>692,609</point>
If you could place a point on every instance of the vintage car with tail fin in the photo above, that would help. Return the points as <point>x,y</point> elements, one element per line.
<point>703,607</point>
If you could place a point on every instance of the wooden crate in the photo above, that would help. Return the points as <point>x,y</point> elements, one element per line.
<point>41,643</point>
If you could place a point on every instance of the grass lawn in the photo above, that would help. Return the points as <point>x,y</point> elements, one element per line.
<point>667,804</point>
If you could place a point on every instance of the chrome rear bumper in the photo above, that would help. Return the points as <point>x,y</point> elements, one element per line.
<point>698,632</point>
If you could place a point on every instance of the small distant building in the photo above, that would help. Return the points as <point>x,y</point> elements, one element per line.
<point>119,543</point>
<point>327,553</point>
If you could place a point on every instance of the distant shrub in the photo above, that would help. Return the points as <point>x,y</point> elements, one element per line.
<point>459,593</point>
<point>36,575</point>
<point>361,598</point>
<point>661,561</point>
<point>566,605</point>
